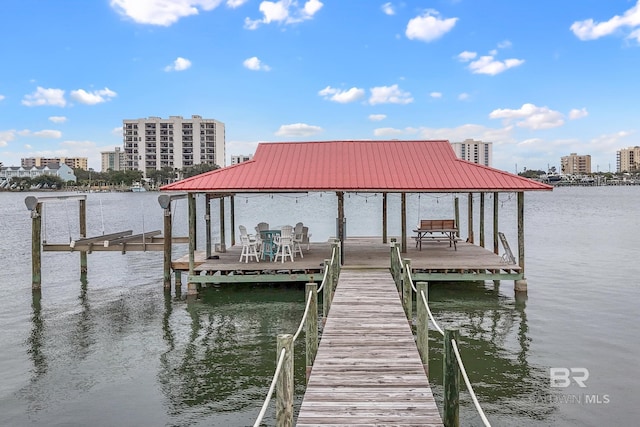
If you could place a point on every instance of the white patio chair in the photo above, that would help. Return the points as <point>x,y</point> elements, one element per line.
<point>297,240</point>
<point>249,245</point>
<point>284,243</point>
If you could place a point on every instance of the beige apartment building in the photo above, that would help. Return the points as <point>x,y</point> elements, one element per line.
<point>474,151</point>
<point>72,162</point>
<point>112,160</point>
<point>575,164</point>
<point>628,159</point>
<point>154,143</point>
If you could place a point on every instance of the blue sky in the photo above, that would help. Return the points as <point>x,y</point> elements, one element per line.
<point>539,79</point>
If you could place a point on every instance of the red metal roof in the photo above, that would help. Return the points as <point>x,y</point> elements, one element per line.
<point>366,166</point>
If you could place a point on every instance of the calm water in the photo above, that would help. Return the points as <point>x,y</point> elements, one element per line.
<point>115,351</point>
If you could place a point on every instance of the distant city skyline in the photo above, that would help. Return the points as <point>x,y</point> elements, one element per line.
<point>311,70</point>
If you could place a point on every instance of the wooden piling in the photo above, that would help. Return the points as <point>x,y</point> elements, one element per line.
<point>451,380</point>
<point>325,291</point>
<point>36,247</point>
<point>83,234</point>
<point>422,325</point>
<point>311,326</point>
<point>284,383</point>
<point>166,264</point>
<point>407,291</point>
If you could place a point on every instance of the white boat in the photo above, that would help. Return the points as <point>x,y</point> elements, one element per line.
<point>136,187</point>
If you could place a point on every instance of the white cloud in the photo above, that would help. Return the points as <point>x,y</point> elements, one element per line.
<point>463,96</point>
<point>164,12</point>
<point>236,3</point>
<point>436,94</point>
<point>48,133</point>
<point>388,9</point>
<point>255,64</point>
<point>57,119</point>
<point>429,26</point>
<point>284,12</point>
<point>377,117</point>
<point>180,64</point>
<point>591,30</point>
<point>117,131</point>
<point>389,95</point>
<point>467,56</point>
<point>530,116</point>
<point>578,113</point>
<point>298,130</point>
<point>342,96</point>
<point>1,97</point>
<point>504,44</point>
<point>387,132</point>
<point>45,133</point>
<point>92,98</point>
<point>44,96</point>
<point>6,136</point>
<point>488,65</point>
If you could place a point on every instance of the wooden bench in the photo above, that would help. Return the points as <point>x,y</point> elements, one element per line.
<point>436,229</point>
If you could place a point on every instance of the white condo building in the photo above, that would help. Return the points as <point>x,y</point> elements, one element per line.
<point>154,143</point>
<point>474,151</point>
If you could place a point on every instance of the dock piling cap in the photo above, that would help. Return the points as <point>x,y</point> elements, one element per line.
<point>31,202</point>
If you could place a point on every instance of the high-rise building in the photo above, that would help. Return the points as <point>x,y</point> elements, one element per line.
<point>474,151</point>
<point>240,158</point>
<point>628,159</point>
<point>155,143</point>
<point>72,162</point>
<point>113,160</point>
<point>573,164</point>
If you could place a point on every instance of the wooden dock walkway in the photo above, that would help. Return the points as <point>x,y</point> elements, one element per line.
<point>367,370</point>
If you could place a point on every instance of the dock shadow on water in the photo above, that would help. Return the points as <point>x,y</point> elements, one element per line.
<point>494,345</point>
<point>138,357</point>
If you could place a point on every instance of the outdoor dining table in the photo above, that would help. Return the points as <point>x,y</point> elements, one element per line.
<point>268,243</point>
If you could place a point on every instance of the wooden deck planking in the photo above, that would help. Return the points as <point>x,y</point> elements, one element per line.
<point>367,370</point>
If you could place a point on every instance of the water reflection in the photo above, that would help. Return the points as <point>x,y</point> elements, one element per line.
<point>83,336</point>
<point>36,339</point>
<point>221,350</point>
<point>494,345</point>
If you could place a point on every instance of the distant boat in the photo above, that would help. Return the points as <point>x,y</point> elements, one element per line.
<point>552,177</point>
<point>136,187</point>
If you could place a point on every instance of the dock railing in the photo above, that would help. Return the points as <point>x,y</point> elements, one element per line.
<point>282,381</point>
<point>453,366</point>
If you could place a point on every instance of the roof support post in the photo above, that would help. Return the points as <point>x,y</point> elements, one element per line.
<point>470,219</point>
<point>521,230</point>
<point>223,237</point>
<point>384,218</point>
<point>403,214</point>
<point>191,290</point>
<point>482,219</point>
<point>496,197</point>
<point>232,201</point>
<point>456,209</point>
<point>207,223</point>
<point>341,236</point>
